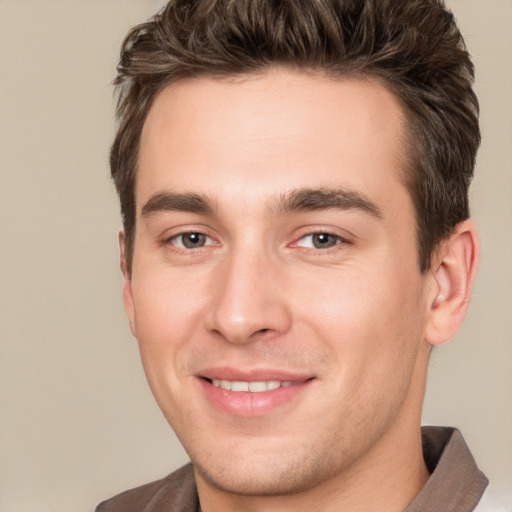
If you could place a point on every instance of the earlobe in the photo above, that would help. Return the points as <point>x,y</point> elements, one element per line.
<point>127,282</point>
<point>453,273</point>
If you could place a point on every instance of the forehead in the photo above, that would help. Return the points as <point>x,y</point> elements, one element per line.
<point>273,132</point>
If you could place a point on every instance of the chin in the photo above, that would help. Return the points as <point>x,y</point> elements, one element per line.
<point>270,482</point>
<point>267,474</point>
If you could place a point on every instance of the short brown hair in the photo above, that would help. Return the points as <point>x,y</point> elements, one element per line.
<point>414,47</point>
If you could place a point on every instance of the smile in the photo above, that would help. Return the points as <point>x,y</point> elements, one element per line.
<point>251,387</point>
<point>255,395</point>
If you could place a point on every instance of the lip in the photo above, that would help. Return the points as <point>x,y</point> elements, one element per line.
<point>247,404</point>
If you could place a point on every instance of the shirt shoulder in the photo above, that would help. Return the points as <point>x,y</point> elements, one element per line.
<point>176,492</point>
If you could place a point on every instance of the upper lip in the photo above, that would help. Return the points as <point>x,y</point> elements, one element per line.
<point>252,374</point>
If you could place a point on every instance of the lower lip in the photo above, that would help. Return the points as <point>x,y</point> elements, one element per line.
<point>247,404</point>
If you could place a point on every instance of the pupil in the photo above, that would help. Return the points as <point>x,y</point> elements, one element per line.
<point>193,240</point>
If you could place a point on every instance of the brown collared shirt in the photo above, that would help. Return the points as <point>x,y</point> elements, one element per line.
<point>455,485</point>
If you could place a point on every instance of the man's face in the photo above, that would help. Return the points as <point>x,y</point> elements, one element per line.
<point>275,289</point>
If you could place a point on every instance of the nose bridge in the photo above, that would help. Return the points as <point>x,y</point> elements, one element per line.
<point>247,301</point>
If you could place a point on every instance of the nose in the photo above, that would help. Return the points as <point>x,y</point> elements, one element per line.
<point>249,302</point>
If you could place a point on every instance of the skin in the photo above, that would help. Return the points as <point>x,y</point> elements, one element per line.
<point>258,293</point>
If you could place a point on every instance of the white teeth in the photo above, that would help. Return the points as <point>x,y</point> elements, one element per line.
<point>273,384</point>
<point>225,384</point>
<point>257,387</point>
<point>239,386</point>
<point>253,387</point>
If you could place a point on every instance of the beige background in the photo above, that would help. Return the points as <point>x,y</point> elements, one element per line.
<point>77,422</point>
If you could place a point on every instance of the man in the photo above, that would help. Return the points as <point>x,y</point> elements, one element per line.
<point>293,179</point>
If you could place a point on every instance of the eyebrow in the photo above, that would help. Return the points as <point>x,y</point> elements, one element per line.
<point>300,200</point>
<point>303,200</point>
<point>169,201</point>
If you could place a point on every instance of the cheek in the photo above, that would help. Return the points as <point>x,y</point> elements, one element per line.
<point>166,304</point>
<point>371,321</point>
<point>167,316</point>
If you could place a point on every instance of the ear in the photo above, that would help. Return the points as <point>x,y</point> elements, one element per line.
<point>453,272</point>
<point>127,282</point>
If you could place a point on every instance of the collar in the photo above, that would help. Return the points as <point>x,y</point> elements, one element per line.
<point>456,484</point>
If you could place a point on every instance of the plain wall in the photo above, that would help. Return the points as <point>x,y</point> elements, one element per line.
<point>77,420</point>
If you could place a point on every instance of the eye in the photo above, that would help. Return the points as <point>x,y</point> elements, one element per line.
<point>320,241</point>
<point>191,240</point>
